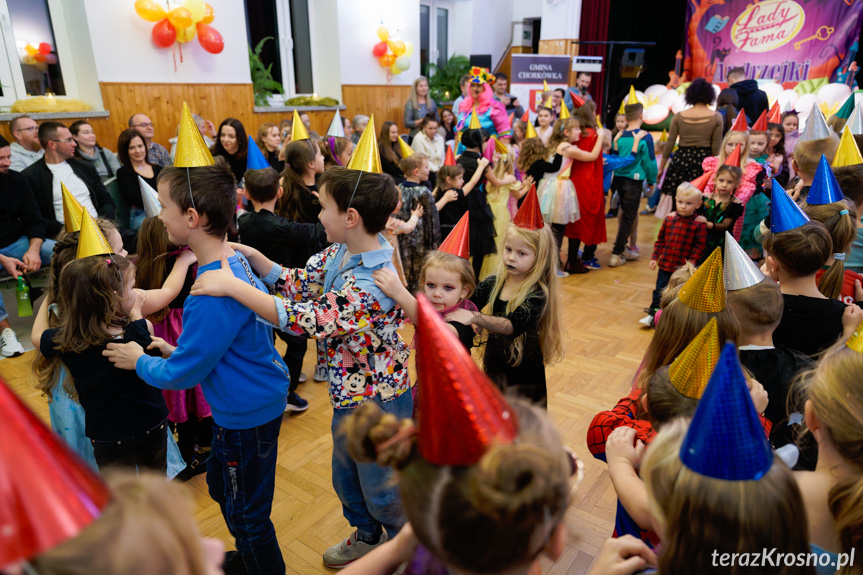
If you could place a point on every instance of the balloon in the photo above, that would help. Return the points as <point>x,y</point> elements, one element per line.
<point>50,58</point>
<point>164,34</point>
<point>395,71</point>
<point>39,57</point>
<point>380,49</point>
<point>639,95</point>
<point>402,63</point>
<point>772,89</point>
<point>787,98</point>
<point>209,14</point>
<point>30,49</point>
<point>804,104</point>
<point>680,104</point>
<point>185,35</point>
<point>387,60</point>
<point>409,48</point>
<point>29,60</point>
<point>397,47</point>
<point>180,18</point>
<point>150,11</point>
<point>44,48</point>
<point>196,9</point>
<point>383,34</point>
<point>210,39</point>
<point>668,98</point>
<point>655,91</point>
<point>655,114</point>
<point>830,94</point>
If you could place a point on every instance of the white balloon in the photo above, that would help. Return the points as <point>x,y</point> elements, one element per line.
<point>832,94</point>
<point>804,104</point>
<point>717,89</point>
<point>772,89</point>
<point>668,98</point>
<point>787,98</point>
<point>639,95</point>
<point>655,91</point>
<point>680,104</point>
<point>655,114</point>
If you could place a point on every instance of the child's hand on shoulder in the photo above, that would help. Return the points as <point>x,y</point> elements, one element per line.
<point>450,196</point>
<point>621,448</point>
<point>165,348</point>
<point>124,355</point>
<point>482,164</point>
<point>215,283</point>
<point>759,395</point>
<point>639,135</point>
<point>462,316</point>
<point>418,211</point>
<point>562,147</point>
<point>853,315</point>
<point>186,258</point>
<point>388,282</point>
<point>247,251</point>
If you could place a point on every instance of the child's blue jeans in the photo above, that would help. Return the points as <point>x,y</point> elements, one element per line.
<point>241,476</point>
<point>370,498</point>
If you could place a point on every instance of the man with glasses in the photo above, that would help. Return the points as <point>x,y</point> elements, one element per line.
<point>59,165</point>
<point>25,148</point>
<point>158,154</point>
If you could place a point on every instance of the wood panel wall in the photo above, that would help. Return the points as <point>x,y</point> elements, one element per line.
<point>386,102</point>
<point>564,46</point>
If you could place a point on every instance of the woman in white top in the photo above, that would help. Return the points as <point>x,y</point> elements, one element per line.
<point>430,143</point>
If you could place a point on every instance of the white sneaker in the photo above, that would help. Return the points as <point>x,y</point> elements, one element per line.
<point>9,344</point>
<point>646,321</point>
<point>616,260</point>
<point>631,255</point>
<point>346,552</point>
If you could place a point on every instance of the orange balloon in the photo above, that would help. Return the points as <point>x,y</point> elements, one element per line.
<point>209,14</point>
<point>397,47</point>
<point>180,17</point>
<point>150,11</point>
<point>387,60</point>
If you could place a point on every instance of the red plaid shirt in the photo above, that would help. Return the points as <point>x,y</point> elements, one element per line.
<point>680,239</point>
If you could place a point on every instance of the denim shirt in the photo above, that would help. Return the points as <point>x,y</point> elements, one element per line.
<point>358,324</point>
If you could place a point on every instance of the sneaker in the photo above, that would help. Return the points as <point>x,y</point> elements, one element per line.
<point>562,274</point>
<point>592,264</point>
<point>647,321</point>
<point>575,267</point>
<point>303,378</point>
<point>647,211</point>
<point>611,214</point>
<point>616,260</point>
<point>9,344</point>
<point>346,552</point>
<point>296,403</point>
<point>631,254</point>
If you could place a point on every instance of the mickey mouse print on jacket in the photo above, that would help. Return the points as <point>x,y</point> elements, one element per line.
<point>334,299</point>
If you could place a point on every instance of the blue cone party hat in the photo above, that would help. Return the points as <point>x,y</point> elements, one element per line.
<point>785,214</point>
<point>726,439</point>
<point>152,207</point>
<point>825,188</point>
<point>255,159</point>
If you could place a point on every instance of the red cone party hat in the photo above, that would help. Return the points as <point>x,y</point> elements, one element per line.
<point>457,242</point>
<point>450,157</point>
<point>775,114</point>
<point>529,215</point>
<point>47,494</point>
<point>577,101</point>
<point>701,181</point>
<point>734,158</point>
<point>740,123</point>
<point>462,413</point>
<point>511,119</point>
<point>760,124</point>
<point>526,116</point>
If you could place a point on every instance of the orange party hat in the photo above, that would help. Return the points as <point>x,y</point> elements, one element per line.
<point>705,290</point>
<point>92,241</point>
<point>734,158</point>
<point>760,124</point>
<point>72,210</point>
<point>775,114</point>
<point>450,157</point>
<point>577,101</point>
<point>526,116</point>
<point>529,216</point>
<point>457,242</point>
<point>511,119</point>
<point>462,414</point>
<point>701,181</point>
<point>740,123</point>
<point>691,371</point>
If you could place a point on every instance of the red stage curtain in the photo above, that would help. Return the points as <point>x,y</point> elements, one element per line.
<point>594,26</point>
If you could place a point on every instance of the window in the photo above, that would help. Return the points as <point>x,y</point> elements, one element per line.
<point>289,53</point>
<point>434,33</point>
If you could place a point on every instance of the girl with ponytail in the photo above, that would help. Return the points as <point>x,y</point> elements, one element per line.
<point>840,219</point>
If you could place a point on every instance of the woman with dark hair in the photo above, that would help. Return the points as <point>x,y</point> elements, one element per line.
<point>233,145</point>
<point>726,105</point>
<point>132,151</point>
<point>388,145</point>
<point>700,132</point>
<point>447,125</point>
<point>103,159</point>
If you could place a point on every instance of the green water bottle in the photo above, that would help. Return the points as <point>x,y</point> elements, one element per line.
<point>25,308</point>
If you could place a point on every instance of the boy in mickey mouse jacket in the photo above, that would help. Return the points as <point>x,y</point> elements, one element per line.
<point>334,299</point>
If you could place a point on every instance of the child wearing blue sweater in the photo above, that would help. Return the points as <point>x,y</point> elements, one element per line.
<point>231,354</point>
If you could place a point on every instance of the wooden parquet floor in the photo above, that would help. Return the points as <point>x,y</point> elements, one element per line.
<point>604,345</point>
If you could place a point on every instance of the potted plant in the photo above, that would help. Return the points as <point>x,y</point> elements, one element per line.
<point>443,80</point>
<point>262,79</point>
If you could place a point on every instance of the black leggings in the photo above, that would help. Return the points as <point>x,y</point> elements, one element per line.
<point>588,254</point>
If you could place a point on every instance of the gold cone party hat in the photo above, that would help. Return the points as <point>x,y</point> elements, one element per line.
<point>530,131</point>
<point>191,152</point>
<point>92,241</point>
<point>500,147</point>
<point>622,109</point>
<point>547,103</point>
<point>599,122</point>
<point>474,121</point>
<point>366,157</point>
<point>545,87</point>
<point>632,98</point>
<point>72,210</point>
<point>564,111</point>
<point>855,342</point>
<point>404,149</point>
<point>690,372</point>
<point>705,290</point>
<point>298,129</point>
<point>848,154</point>
<point>663,137</point>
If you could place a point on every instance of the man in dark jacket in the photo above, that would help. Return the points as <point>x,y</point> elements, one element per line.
<point>59,165</point>
<point>23,246</point>
<point>752,100</point>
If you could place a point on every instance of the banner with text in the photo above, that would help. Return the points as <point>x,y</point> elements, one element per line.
<point>528,72</point>
<point>782,40</point>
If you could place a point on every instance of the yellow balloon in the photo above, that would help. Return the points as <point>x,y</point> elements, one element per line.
<point>185,35</point>
<point>180,18</point>
<point>395,71</point>
<point>383,34</point>
<point>209,14</point>
<point>196,8</point>
<point>30,49</point>
<point>409,48</point>
<point>397,47</point>
<point>150,11</point>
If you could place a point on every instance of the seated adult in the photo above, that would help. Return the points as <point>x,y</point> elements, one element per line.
<point>233,145</point>
<point>206,128</point>
<point>270,142</point>
<point>104,160</point>
<point>359,122</point>
<point>132,150</point>
<point>390,151</point>
<point>157,153</point>
<point>419,105</point>
<point>25,149</point>
<point>23,246</point>
<point>430,142</point>
<point>79,176</point>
